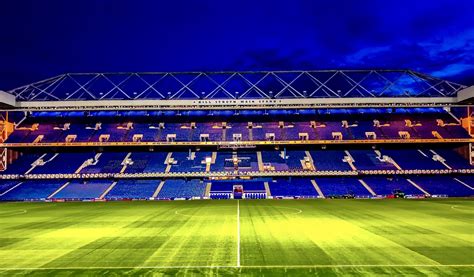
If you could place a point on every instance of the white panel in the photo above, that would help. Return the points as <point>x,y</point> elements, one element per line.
<point>7,98</point>
<point>235,104</point>
<point>466,93</point>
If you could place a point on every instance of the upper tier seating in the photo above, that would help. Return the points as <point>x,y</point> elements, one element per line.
<point>125,129</point>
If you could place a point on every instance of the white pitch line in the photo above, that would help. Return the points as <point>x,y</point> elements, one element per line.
<point>238,233</point>
<point>243,266</point>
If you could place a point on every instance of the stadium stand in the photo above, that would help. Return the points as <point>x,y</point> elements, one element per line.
<point>389,185</point>
<point>32,190</point>
<point>443,185</point>
<point>133,189</point>
<point>83,189</point>
<point>296,187</point>
<point>342,187</point>
<point>182,189</point>
<point>286,143</point>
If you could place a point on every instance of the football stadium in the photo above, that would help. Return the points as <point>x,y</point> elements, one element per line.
<point>324,172</point>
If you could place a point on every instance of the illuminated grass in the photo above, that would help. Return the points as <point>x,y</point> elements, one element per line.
<point>297,236</point>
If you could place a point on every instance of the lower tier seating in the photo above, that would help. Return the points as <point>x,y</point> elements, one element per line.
<point>341,187</point>
<point>33,190</point>
<point>182,189</point>
<point>133,189</point>
<point>295,187</point>
<point>367,186</point>
<point>83,190</point>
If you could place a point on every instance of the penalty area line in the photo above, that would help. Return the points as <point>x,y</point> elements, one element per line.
<point>233,266</point>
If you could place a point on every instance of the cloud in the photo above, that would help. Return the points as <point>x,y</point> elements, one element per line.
<point>453,70</point>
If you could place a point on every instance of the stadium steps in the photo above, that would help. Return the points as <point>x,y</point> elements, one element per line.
<point>382,133</point>
<point>267,189</point>
<point>351,164</point>
<point>418,187</point>
<point>124,162</point>
<point>213,157</point>
<point>158,135</point>
<point>316,187</point>
<point>308,154</point>
<point>378,153</point>
<point>250,134</point>
<point>461,182</point>
<point>453,116</point>
<point>260,161</point>
<point>35,163</point>
<point>316,133</point>
<point>414,131</point>
<point>207,193</point>
<point>367,187</point>
<point>10,189</point>
<point>158,189</point>
<point>168,166</point>
<point>82,166</point>
<point>444,160</point>
<point>92,135</point>
<point>108,189</point>
<point>58,190</point>
<point>349,133</point>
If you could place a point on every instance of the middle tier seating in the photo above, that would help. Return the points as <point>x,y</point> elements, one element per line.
<point>272,160</point>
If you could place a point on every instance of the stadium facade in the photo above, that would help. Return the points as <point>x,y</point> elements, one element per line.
<point>220,135</point>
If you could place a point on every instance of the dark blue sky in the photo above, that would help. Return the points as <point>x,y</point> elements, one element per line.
<point>39,39</point>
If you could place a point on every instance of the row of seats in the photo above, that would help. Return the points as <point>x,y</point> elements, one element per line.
<point>148,162</point>
<point>278,187</point>
<point>29,130</point>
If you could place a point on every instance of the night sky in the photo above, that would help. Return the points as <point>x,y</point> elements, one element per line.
<point>40,39</point>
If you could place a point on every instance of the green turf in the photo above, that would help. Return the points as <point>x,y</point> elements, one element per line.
<point>275,237</point>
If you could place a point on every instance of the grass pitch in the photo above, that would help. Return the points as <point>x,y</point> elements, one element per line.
<point>255,237</point>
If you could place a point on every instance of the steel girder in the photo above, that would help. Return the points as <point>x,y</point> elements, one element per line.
<point>236,85</point>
